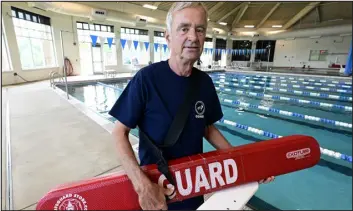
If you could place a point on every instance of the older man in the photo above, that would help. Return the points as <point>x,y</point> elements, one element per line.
<point>151,101</point>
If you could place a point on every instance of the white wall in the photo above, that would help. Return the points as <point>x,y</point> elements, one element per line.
<point>296,52</point>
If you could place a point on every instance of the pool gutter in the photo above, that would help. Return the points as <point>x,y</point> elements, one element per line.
<point>9,187</point>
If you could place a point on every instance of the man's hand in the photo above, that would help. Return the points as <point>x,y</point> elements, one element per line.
<point>151,197</point>
<point>265,181</point>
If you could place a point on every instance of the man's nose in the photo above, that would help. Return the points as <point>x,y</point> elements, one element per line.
<point>192,36</point>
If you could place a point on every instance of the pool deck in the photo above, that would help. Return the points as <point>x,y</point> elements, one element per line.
<point>52,142</point>
<point>55,140</point>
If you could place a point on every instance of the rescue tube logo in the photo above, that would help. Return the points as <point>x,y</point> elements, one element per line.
<point>298,154</point>
<point>200,109</point>
<point>71,202</point>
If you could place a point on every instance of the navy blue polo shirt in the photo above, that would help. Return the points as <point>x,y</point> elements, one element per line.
<point>151,100</point>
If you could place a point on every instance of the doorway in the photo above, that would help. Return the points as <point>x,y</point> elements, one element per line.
<point>97,59</point>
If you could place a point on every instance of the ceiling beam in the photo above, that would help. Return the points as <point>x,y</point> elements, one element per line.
<point>231,12</point>
<point>268,15</point>
<point>215,7</point>
<point>240,14</point>
<point>318,14</point>
<point>301,14</point>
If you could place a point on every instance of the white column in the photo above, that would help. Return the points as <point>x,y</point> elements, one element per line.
<point>229,45</point>
<point>9,29</point>
<point>253,47</point>
<point>151,45</point>
<point>119,48</point>
<point>214,48</point>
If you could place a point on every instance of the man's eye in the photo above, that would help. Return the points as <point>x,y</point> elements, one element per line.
<point>200,30</point>
<point>184,29</point>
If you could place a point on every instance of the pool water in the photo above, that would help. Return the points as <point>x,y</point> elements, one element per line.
<point>327,185</point>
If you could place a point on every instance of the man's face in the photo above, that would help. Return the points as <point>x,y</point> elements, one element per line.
<point>188,32</point>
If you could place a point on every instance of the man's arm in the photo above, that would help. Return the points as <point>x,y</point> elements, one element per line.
<point>127,157</point>
<point>151,196</point>
<point>215,138</point>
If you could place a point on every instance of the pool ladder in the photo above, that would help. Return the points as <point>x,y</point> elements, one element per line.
<point>55,75</point>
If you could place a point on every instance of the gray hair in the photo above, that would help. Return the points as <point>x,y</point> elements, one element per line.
<point>177,6</point>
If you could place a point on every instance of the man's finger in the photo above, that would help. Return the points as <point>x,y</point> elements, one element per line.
<point>270,179</point>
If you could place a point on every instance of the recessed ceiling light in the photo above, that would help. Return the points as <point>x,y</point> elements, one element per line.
<point>276,26</point>
<point>222,23</point>
<point>249,26</point>
<point>152,7</point>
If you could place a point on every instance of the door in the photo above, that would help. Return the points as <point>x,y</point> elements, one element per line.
<point>70,51</point>
<point>97,59</point>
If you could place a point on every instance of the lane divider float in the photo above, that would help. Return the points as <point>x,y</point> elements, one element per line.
<point>327,152</point>
<point>295,92</point>
<point>288,99</point>
<point>288,113</point>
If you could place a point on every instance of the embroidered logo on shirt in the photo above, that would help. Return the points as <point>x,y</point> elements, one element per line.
<point>200,109</point>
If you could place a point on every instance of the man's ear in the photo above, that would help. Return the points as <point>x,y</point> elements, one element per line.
<point>167,36</point>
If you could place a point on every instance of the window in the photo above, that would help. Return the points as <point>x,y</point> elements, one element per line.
<point>221,56</point>
<point>130,55</point>
<point>34,39</point>
<point>6,62</point>
<point>206,56</point>
<point>318,55</point>
<point>265,44</point>
<point>241,45</point>
<point>160,54</point>
<point>95,27</point>
<point>101,50</point>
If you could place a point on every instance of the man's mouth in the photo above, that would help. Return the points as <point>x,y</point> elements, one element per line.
<point>192,47</point>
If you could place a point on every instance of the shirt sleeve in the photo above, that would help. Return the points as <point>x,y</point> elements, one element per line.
<point>214,111</point>
<point>129,107</point>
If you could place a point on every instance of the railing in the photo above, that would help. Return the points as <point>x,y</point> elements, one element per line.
<point>55,75</point>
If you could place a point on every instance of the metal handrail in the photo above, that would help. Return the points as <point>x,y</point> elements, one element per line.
<point>52,76</point>
<point>63,55</point>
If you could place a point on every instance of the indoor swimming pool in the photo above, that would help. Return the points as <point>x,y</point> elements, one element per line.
<point>260,107</point>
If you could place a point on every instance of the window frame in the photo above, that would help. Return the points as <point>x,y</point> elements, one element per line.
<point>110,28</point>
<point>321,55</point>
<point>41,34</point>
<point>41,19</point>
<point>237,44</point>
<point>262,44</point>
<point>134,34</point>
<point>220,44</point>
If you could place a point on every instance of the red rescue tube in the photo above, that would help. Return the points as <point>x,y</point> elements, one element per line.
<point>194,175</point>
